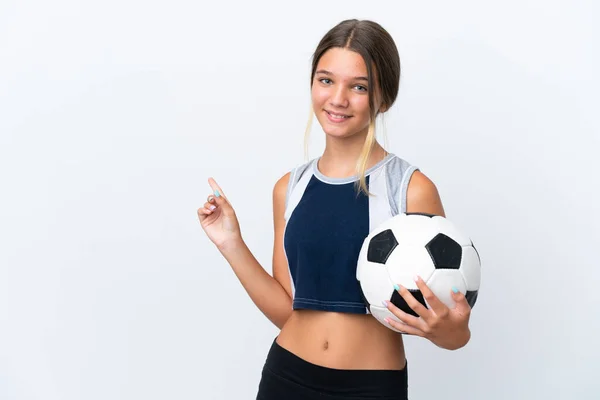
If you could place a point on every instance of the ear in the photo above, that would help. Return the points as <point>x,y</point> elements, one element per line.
<point>383,108</point>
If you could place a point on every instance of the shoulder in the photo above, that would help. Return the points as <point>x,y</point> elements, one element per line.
<point>286,183</point>
<point>398,168</point>
<point>280,188</point>
<point>280,196</point>
<point>422,195</point>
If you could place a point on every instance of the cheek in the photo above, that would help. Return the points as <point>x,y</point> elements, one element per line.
<point>360,105</point>
<point>318,96</point>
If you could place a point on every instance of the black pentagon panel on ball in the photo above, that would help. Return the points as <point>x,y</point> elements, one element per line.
<point>445,252</point>
<point>471,297</point>
<point>381,246</point>
<point>399,301</point>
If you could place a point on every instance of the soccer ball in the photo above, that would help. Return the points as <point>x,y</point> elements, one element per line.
<point>411,244</point>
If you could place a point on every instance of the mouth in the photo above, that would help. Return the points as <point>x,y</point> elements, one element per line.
<point>336,117</point>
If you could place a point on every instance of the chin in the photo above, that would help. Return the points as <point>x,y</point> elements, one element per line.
<point>338,131</point>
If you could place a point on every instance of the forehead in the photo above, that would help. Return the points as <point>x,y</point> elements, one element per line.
<point>343,63</point>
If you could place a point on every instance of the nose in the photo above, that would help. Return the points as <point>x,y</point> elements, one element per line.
<point>339,97</point>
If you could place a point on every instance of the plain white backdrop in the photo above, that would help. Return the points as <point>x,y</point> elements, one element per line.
<point>113,114</point>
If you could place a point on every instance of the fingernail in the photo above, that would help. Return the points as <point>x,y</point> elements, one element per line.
<point>386,319</point>
<point>455,290</point>
<point>416,278</point>
<point>385,303</point>
<point>396,287</point>
<point>212,208</point>
<point>217,194</point>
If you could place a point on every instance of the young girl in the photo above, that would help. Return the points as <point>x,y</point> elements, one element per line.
<point>329,346</point>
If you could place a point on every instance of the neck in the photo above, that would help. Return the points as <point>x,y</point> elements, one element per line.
<point>341,155</point>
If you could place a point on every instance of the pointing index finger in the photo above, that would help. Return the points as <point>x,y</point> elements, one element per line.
<point>215,187</point>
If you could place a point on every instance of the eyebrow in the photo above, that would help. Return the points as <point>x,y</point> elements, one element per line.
<point>358,78</point>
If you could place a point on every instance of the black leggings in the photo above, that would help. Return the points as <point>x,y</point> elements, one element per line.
<point>286,376</point>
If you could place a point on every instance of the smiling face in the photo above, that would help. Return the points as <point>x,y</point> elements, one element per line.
<point>340,93</point>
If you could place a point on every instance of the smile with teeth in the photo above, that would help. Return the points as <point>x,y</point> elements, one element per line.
<point>337,116</point>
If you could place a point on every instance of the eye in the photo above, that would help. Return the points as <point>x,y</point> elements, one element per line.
<point>361,88</point>
<point>326,81</point>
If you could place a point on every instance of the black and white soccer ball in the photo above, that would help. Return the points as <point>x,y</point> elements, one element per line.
<point>411,244</point>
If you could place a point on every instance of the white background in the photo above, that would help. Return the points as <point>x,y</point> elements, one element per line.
<point>113,114</point>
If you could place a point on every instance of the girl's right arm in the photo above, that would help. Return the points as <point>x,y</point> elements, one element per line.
<point>271,294</point>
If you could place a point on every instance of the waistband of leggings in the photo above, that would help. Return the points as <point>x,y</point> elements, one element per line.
<point>286,364</point>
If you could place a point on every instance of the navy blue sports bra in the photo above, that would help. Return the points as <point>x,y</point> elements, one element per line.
<point>326,224</point>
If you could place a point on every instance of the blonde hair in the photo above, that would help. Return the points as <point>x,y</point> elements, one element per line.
<point>363,159</point>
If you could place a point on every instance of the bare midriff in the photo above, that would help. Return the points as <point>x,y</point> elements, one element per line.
<point>342,340</point>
